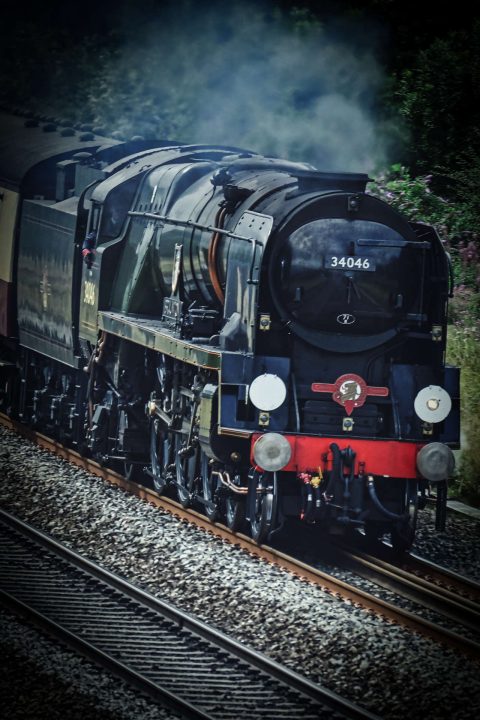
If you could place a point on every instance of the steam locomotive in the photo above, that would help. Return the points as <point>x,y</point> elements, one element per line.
<point>263,339</point>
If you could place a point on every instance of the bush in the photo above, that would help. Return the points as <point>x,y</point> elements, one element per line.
<point>464,350</point>
<point>415,198</point>
<point>439,97</point>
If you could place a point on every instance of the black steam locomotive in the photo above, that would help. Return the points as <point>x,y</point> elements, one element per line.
<point>266,339</point>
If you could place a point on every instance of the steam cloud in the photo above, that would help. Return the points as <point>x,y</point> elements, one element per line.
<point>239,74</point>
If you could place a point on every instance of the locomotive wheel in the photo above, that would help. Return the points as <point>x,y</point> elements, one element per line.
<point>185,471</point>
<point>132,470</point>
<point>209,487</point>
<point>234,511</point>
<point>261,505</point>
<point>160,454</point>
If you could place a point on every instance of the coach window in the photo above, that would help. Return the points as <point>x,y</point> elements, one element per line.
<point>94,218</point>
<point>115,208</point>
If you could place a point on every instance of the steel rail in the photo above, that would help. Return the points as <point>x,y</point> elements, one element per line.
<point>96,612</point>
<point>403,580</point>
<point>420,566</point>
<point>444,577</point>
<point>327,582</point>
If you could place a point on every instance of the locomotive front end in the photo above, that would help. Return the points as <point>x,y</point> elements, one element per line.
<point>350,280</point>
<point>373,409</point>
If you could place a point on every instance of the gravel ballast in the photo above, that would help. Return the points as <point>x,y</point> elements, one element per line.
<point>377,664</point>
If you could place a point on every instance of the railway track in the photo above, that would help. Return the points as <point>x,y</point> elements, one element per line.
<point>329,583</point>
<point>428,572</point>
<point>165,653</point>
<point>443,577</point>
<point>443,591</point>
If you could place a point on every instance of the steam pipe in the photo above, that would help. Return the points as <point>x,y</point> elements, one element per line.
<point>336,470</point>
<point>381,508</point>
<point>224,478</point>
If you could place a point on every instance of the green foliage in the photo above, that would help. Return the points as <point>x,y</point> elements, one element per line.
<point>464,350</point>
<point>439,96</point>
<point>49,74</point>
<point>414,197</point>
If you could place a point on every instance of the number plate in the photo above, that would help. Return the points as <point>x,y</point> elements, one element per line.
<point>349,262</point>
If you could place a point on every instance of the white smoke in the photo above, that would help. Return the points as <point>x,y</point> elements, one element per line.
<point>241,75</point>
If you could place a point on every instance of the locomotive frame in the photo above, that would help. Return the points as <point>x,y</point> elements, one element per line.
<point>262,338</point>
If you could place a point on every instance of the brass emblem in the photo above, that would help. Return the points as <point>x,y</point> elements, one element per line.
<point>350,391</point>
